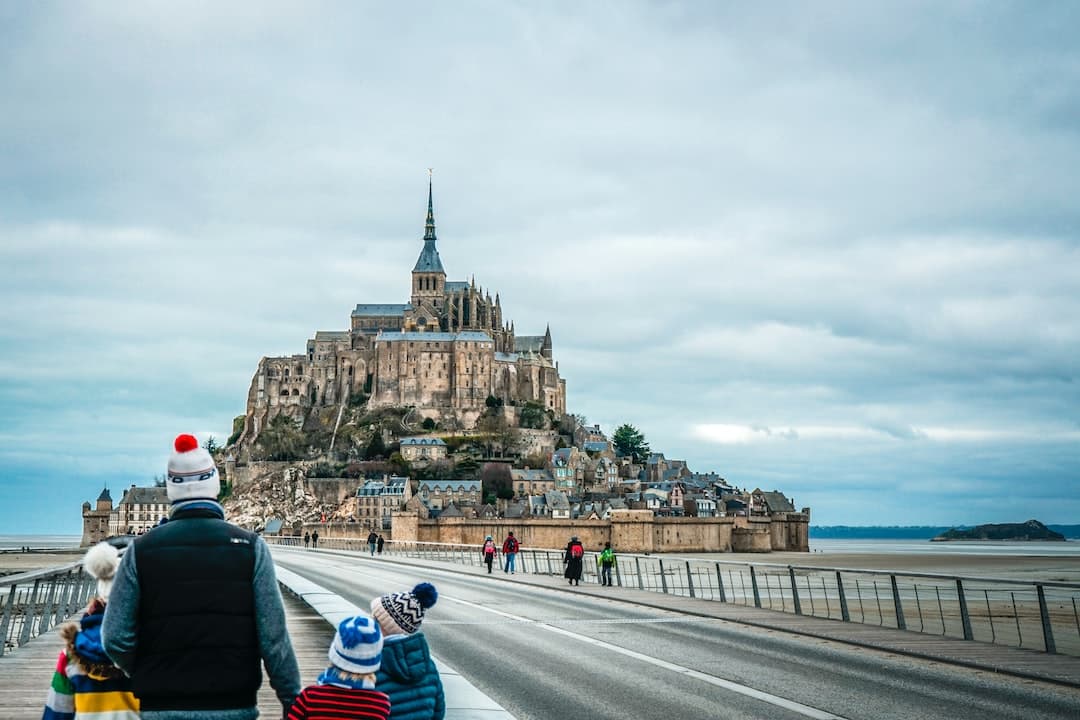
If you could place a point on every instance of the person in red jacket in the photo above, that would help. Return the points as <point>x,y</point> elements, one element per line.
<point>510,549</point>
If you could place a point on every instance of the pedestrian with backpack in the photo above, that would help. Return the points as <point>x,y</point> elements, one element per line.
<point>574,560</point>
<point>510,549</point>
<point>605,562</point>
<point>487,551</point>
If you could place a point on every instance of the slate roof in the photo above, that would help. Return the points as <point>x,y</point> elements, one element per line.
<point>331,335</point>
<point>777,502</point>
<point>506,357</point>
<point>594,446</point>
<point>531,475</point>
<point>105,495</point>
<point>456,285</point>
<point>145,496</point>
<point>429,259</point>
<point>422,441</point>
<point>556,499</point>
<point>528,343</point>
<point>451,485</point>
<point>399,336</point>
<point>273,526</point>
<point>376,310</point>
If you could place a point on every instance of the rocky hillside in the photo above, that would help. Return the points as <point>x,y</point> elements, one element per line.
<point>1031,530</point>
<point>281,495</point>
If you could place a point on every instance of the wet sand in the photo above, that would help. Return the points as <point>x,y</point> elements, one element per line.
<point>19,562</point>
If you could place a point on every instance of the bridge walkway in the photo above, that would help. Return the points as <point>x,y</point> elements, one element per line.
<point>1030,664</point>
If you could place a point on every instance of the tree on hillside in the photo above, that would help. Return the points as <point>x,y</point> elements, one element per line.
<point>281,440</point>
<point>532,415</point>
<point>495,481</point>
<point>628,440</point>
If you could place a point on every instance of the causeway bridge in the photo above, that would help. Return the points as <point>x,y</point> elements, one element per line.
<point>530,646</point>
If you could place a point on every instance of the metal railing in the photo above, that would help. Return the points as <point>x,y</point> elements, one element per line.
<point>31,603</point>
<point>1035,615</point>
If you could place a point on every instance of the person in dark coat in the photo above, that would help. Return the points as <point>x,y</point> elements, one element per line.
<point>379,545</point>
<point>574,560</point>
<point>408,674</point>
<point>372,542</point>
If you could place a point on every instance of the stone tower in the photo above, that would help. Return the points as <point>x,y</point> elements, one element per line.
<point>428,277</point>
<point>96,520</point>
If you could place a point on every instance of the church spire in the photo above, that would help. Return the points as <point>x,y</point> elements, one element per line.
<point>429,261</point>
<point>429,226</point>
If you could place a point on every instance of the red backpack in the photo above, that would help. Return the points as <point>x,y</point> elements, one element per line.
<point>576,551</point>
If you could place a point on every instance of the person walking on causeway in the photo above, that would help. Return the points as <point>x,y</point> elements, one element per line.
<point>379,544</point>
<point>510,548</point>
<point>487,551</point>
<point>372,541</point>
<point>408,674</point>
<point>605,561</point>
<point>574,560</point>
<point>346,689</point>
<point>86,684</point>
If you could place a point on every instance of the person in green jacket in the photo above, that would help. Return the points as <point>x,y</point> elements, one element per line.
<point>606,560</point>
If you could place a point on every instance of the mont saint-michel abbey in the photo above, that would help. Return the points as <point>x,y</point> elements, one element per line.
<point>445,352</point>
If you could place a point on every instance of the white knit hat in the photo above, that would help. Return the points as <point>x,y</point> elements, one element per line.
<point>402,613</point>
<point>101,561</point>
<point>192,473</point>
<point>357,645</point>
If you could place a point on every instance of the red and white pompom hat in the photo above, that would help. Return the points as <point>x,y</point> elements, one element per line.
<point>192,473</point>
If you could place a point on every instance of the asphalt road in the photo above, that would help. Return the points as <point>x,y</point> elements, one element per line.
<point>547,654</point>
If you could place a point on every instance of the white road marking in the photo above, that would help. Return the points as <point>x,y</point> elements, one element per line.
<point>791,705</point>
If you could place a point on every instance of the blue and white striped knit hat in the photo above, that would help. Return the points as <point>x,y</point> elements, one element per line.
<point>357,646</point>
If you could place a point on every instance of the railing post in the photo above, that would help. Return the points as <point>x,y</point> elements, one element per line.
<point>843,598</point>
<point>5,619</point>
<point>900,623</point>
<point>1044,614</point>
<point>753,584</point>
<point>47,607</point>
<point>794,590</point>
<point>690,579</point>
<point>663,577</point>
<point>965,618</point>
<point>640,582</point>
<point>28,613</point>
<point>720,583</point>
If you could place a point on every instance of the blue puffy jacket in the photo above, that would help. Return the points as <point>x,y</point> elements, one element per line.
<point>408,675</point>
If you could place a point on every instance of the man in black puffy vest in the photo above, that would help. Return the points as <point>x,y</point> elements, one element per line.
<point>195,606</point>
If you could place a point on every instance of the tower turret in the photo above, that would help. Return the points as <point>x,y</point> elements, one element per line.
<point>428,275</point>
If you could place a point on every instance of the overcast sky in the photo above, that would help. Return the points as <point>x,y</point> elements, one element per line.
<point>825,248</point>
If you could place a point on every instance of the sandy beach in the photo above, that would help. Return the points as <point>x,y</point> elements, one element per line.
<point>19,562</point>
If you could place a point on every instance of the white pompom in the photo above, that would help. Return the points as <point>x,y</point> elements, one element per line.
<point>101,561</point>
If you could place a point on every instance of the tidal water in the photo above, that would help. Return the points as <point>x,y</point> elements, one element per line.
<point>960,547</point>
<point>39,542</point>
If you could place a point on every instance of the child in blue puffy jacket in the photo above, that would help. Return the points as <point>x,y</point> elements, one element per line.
<point>408,674</point>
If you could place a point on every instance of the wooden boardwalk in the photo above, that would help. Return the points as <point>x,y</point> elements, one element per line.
<point>26,672</point>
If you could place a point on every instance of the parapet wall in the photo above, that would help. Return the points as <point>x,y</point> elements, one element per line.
<point>628,531</point>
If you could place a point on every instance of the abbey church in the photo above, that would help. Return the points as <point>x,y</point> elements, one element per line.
<point>444,352</point>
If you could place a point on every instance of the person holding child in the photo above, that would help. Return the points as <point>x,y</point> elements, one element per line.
<point>346,689</point>
<point>408,674</point>
<point>86,683</point>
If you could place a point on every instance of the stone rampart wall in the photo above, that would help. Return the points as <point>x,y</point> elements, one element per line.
<point>628,531</point>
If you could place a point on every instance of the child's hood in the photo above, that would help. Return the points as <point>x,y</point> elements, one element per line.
<point>406,658</point>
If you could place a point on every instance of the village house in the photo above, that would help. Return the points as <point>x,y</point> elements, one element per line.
<point>422,449</point>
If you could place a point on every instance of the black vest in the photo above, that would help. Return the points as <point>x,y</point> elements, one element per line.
<point>198,647</point>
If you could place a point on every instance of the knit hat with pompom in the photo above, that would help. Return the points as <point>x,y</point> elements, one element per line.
<point>101,561</point>
<point>402,613</point>
<point>192,473</point>
<point>357,645</point>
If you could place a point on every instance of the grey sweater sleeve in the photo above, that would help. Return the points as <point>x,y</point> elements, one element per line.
<point>274,643</point>
<point>120,628</point>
